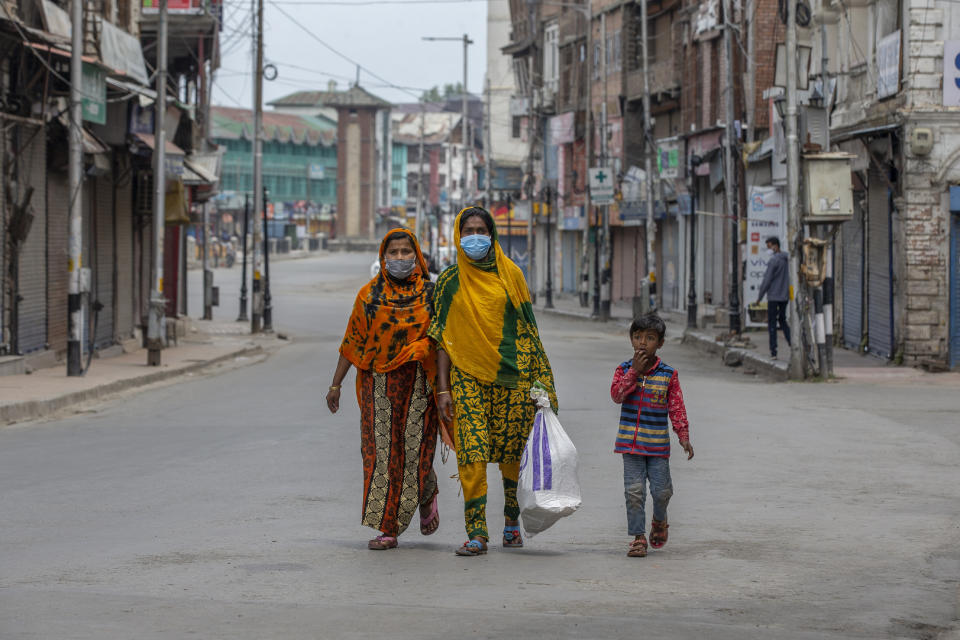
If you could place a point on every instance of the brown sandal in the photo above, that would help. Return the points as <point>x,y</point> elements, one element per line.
<point>658,534</point>
<point>638,547</point>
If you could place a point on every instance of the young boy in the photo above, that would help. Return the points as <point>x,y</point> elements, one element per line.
<point>648,390</point>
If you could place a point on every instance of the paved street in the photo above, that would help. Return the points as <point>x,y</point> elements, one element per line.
<point>229,506</point>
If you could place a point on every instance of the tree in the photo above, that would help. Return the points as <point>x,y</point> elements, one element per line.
<point>434,94</point>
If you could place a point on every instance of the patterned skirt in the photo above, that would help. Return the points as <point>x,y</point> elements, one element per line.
<point>492,422</point>
<point>399,423</point>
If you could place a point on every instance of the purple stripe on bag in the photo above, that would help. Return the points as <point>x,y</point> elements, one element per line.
<point>546,463</point>
<point>537,435</point>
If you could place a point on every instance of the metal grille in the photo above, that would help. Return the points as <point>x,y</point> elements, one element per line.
<point>955,291</point>
<point>103,239</point>
<point>879,289</point>
<point>853,280</point>
<point>31,144</point>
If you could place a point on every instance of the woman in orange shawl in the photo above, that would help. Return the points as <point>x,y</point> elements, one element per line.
<point>386,340</point>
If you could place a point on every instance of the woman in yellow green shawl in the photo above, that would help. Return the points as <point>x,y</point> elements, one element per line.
<point>489,355</point>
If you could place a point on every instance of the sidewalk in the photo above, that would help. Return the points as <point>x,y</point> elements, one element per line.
<point>47,391</point>
<point>752,352</point>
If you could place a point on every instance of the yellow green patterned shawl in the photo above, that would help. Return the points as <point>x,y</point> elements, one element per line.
<point>483,318</point>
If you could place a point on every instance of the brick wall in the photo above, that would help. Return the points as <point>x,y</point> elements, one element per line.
<point>58,254</point>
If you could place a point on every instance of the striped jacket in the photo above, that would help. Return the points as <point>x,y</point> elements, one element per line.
<point>647,401</point>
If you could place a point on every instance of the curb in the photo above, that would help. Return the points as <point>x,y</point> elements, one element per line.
<point>36,409</point>
<point>575,315</point>
<point>770,368</point>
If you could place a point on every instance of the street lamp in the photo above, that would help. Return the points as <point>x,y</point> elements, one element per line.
<point>695,162</point>
<point>463,107</point>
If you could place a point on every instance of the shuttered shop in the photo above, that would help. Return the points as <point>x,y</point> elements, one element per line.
<point>879,282</point>
<point>853,279</point>
<point>58,209</point>
<point>29,147</point>
<point>103,237</point>
<point>125,268</point>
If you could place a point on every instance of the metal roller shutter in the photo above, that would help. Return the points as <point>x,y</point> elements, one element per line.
<point>30,146</point>
<point>955,290</point>
<point>104,281</point>
<point>58,252</point>
<point>879,281</point>
<point>125,267</point>
<point>853,280</point>
<point>3,254</point>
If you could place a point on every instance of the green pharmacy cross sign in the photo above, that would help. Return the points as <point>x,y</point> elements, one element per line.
<point>601,186</point>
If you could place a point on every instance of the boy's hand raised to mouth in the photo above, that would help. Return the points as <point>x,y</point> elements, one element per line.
<point>641,362</point>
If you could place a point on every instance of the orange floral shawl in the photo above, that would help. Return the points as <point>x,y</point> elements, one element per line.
<point>388,326</point>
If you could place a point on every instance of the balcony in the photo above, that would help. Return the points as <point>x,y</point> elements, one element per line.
<point>191,25</point>
<point>665,77</point>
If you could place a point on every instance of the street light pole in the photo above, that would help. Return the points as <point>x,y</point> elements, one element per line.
<point>157,303</point>
<point>795,368</point>
<point>463,124</point>
<point>267,307</point>
<point>730,180</point>
<point>75,176</point>
<point>243,272</point>
<point>259,219</point>
<point>692,293</point>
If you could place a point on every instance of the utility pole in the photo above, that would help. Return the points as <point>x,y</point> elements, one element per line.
<point>588,14</point>
<point>463,122</point>
<point>75,171</point>
<point>731,170</point>
<point>795,369</point>
<point>259,220</point>
<point>267,307</point>
<point>243,273</point>
<point>207,273</point>
<point>647,149</point>
<point>419,221</point>
<point>157,302</point>
<point>605,261</point>
<point>488,149</point>
<point>692,310</point>
<point>751,84</point>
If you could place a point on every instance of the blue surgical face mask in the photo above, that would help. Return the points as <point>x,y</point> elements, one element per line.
<point>476,246</point>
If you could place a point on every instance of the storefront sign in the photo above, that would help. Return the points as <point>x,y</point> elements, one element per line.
<point>951,73</point>
<point>315,171</point>
<point>670,158</point>
<point>94,89</point>
<point>766,216</point>
<point>601,185</point>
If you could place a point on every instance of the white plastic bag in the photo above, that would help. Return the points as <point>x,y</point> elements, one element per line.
<point>548,488</point>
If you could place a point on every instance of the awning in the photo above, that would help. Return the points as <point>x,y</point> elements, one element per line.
<point>91,143</point>
<point>149,141</point>
<point>195,174</point>
<point>867,131</point>
<point>57,51</point>
<point>122,52</point>
<point>148,95</point>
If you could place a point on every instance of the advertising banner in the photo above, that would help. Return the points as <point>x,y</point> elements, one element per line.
<point>766,216</point>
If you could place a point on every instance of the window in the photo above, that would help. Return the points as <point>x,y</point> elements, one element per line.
<point>441,155</point>
<point>596,60</point>
<point>441,180</point>
<point>515,127</point>
<point>551,57</point>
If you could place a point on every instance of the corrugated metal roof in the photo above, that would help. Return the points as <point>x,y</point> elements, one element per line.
<point>235,124</point>
<point>437,127</point>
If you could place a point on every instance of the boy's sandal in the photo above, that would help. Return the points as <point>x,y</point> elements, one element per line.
<point>511,537</point>
<point>472,548</point>
<point>380,543</point>
<point>638,548</point>
<point>431,523</point>
<point>658,534</point>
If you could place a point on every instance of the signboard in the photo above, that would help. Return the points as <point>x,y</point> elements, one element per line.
<point>562,128</point>
<point>601,186</point>
<point>670,158</point>
<point>888,65</point>
<point>766,216</point>
<point>951,73</point>
<point>315,171</point>
<point>94,89</point>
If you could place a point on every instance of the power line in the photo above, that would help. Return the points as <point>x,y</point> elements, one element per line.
<point>344,56</point>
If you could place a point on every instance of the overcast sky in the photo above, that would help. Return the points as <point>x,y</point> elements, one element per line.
<point>383,36</point>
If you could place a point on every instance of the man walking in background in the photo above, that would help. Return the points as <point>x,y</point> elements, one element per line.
<point>776,286</point>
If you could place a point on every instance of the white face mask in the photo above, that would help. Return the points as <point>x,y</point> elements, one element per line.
<point>769,252</point>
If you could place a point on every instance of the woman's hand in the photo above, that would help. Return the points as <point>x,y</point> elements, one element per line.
<point>445,409</point>
<point>333,399</point>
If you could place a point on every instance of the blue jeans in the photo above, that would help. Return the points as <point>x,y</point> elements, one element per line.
<point>637,471</point>
<point>777,312</point>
